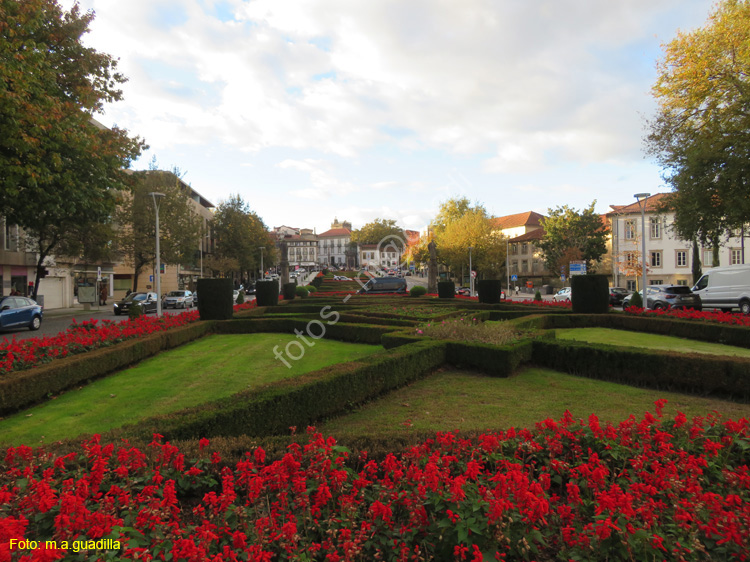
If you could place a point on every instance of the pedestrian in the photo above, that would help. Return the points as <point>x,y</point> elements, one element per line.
<point>103,295</point>
<point>15,293</point>
<point>516,290</point>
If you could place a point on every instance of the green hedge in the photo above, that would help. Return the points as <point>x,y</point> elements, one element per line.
<point>296,402</point>
<point>23,388</point>
<point>215,299</point>
<point>491,359</point>
<point>589,294</point>
<point>490,290</point>
<point>446,289</point>
<point>694,373</point>
<point>289,290</point>
<point>267,293</point>
<point>359,333</point>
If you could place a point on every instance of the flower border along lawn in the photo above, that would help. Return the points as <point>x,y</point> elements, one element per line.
<point>626,338</point>
<point>208,369</point>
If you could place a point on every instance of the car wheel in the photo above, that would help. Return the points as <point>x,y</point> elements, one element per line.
<point>658,306</point>
<point>117,313</point>
<point>745,307</point>
<point>36,323</point>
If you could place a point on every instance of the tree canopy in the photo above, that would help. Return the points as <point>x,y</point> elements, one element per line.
<point>383,232</point>
<point>571,235</point>
<point>59,169</point>
<point>239,233</point>
<point>701,132</point>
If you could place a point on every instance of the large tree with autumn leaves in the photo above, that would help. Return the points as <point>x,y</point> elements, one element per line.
<point>59,169</point>
<point>701,132</point>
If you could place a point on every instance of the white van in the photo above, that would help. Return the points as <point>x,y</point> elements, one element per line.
<point>725,288</point>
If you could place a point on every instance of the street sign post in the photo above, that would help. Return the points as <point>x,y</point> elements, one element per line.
<point>514,277</point>
<point>577,268</point>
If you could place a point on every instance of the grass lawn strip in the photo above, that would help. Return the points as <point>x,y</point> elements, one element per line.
<point>626,338</point>
<point>464,400</point>
<point>211,368</point>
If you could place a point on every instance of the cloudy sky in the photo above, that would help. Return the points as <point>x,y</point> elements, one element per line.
<point>315,109</point>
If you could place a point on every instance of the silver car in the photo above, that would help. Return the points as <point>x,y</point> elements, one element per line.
<point>178,299</point>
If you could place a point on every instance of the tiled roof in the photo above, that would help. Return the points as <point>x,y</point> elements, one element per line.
<point>529,218</point>
<point>537,234</point>
<point>652,204</point>
<point>336,232</point>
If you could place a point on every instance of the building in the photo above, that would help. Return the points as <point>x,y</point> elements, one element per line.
<point>302,249</point>
<point>334,246</point>
<point>668,257</point>
<point>525,260</point>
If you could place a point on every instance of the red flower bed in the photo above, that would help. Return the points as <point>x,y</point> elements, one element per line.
<point>92,334</point>
<point>566,490</point>
<point>691,314</point>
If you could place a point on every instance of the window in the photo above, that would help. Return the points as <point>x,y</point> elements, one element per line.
<point>524,248</point>
<point>681,258</point>
<point>682,282</point>
<point>630,285</point>
<point>630,229</point>
<point>656,259</point>
<point>630,259</point>
<point>524,266</point>
<point>514,249</point>
<point>656,282</point>
<point>655,227</point>
<point>735,255</point>
<point>708,257</point>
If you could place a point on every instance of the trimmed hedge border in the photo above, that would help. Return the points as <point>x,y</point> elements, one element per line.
<point>299,402</point>
<point>702,374</point>
<point>21,389</point>
<point>491,359</point>
<point>358,333</point>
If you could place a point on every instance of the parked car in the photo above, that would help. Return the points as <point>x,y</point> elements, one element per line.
<point>563,295</point>
<point>20,312</point>
<point>662,297</point>
<point>383,285</point>
<point>178,299</point>
<point>340,278</point>
<point>725,288</point>
<point>463,291</point>
<point>616,295</point>
<point>147,302</point>
<point>250,289</point>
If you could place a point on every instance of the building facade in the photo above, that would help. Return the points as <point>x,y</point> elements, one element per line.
<point>669,259</point>
<point>525,260</point>
<point>334,246</point>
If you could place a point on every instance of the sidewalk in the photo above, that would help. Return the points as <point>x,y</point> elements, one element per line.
<point>76,310</point>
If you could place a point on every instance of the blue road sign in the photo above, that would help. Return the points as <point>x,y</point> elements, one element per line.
<point>514,277</point>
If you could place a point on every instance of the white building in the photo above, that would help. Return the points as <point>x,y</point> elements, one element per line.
<point>333,246</point>
<point>669,259</point>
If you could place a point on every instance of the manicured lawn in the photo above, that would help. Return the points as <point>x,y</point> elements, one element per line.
<point>210,368</point>
<point>652,341</point>
<point>466,400</point>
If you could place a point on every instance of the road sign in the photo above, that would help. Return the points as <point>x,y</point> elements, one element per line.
<point>577,268</point>
<point>99,273</point>
<point>514,277</point>
<point>151,278</point>
<point>474,274</point>
<point>562,277</point>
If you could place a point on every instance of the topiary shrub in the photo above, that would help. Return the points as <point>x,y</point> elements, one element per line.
<point>636,300</point>
<point>490,290</point>
<point>302,292</point>
<point>311,288</point>
<point>240,297</point>
<point>215,302</point>
<point>418,291</point>
<point>267,293</point>
<point>134,311</point>
<point>289,290</point>
<point>446,289</point>
<point>537,295</point>
<point>589,294</point>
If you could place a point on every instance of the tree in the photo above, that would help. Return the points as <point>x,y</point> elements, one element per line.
<point>59,169</point>
<point>239,233</point>
<point>179,226</point>
<point>473,229</point>
<point>701,132</point>
<point>568,232</point>
<point>383,232</point>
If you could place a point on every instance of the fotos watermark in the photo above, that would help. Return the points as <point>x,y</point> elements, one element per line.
<point>391,246</point>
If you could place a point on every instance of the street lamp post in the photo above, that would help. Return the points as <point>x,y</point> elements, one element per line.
<point>203,237</point>
<point>642,198</point>
<point>262,271</point>
<point>471,275</point>
<point>157,196</point>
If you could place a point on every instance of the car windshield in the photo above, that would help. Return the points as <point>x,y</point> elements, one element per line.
<point>176,294</point>
<point>619,290</point>
<point>136,297</point>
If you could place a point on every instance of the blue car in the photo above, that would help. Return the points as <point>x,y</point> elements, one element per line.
<point>20,312</point>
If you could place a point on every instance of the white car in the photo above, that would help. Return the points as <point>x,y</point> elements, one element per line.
<point>340,278</point>
<point>563,295</point>
<point>178,299</point>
